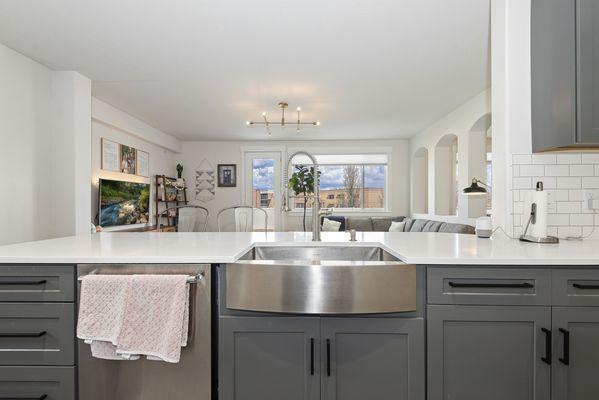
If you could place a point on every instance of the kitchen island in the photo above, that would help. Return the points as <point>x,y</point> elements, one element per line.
<point>484,318</point>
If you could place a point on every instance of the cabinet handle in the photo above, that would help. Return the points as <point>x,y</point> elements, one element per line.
<point>582,286</point>
<point>328,357</point>
<point>311,356</point>
<point>36,282</point>
<point>524,285</point>
<point>42,397</point>
<point>22,335</point>
<point>547,358</point>
<point>565,359</point>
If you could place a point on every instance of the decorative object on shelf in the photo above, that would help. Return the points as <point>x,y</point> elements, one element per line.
<point>168,194</point>
<point>204,185</point>
<point>179,171</point>
<point>302,183</point>
<point>127,160</point>
<point>227,175</point>
<point>143,163</point>
<point>110,155</point>
<point>283,122</point>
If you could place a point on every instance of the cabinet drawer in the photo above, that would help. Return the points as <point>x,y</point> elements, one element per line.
<point>489,286</point>
<point>579,287</point>
<point>37,333</point>
<point>55,383</point>
<point>37,283</point>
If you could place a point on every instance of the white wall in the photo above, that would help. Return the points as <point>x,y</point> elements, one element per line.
<point>113,124</point>
<point>24,141</point>
<point>230,153</point>
<point>460,123</point>
<point>44,150</point>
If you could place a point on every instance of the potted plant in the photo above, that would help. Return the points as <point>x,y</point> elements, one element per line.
<point>302,183</point>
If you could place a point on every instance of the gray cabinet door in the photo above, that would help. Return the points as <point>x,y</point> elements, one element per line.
<point>374,359</point>
<point>269,358</point>
<point>576,353</point>
<point>488,352</point>
<point>48,383</point>
<point>553,63</point>
<point>588,70</point>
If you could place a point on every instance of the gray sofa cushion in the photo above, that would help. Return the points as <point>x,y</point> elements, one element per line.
<point>418,225</point>
<point>409,221</point>
<point>432,226</point>
<point>456,228</point>
<point>382,224</point>
<point>360,224</point>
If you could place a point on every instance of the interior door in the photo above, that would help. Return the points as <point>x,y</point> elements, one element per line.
<point>372,358</point>
<point>576,353</point>
<point>262,179</point>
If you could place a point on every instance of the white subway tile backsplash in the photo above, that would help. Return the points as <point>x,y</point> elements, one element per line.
<point>590,182</point>
<point>568,207</point>
<point>544,159</point>
<point>569,231</point>
<point>557,170</point>
<point>569,158</point>
<point>576,195</point>
<point>582,170</point>
<point>522,159</point>
<point>568,179</point>
<point>568,183</point>
<point>532,170</point>
<point>558,195</point>
<point>558,219</point>
<point>582,219</point>
<point>549,182</point>
<point>522,183</point>
<point>590,158</point>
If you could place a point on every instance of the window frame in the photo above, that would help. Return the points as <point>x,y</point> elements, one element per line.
<point>341,152</point>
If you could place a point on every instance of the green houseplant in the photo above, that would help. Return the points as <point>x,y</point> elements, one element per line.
<point>302,183</point>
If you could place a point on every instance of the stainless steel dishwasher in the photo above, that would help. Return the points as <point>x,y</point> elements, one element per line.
<point>154,380</point>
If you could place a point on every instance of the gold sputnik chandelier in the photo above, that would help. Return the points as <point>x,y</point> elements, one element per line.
<point>283,122</point>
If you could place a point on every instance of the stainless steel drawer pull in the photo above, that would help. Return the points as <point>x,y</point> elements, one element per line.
<point>582,286</point>
<point>35,282</point>
<point>22,335</point>
<point>42,397</point>
<point>524,285</point>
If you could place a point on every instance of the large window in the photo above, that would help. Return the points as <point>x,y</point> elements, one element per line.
<point>349,182</point>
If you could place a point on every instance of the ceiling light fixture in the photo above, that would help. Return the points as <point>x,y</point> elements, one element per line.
<point>283,106</point>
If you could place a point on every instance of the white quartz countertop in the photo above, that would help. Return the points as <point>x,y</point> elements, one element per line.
<point>410,247</point>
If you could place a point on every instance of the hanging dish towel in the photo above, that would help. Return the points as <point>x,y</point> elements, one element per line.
<point>123,317</point>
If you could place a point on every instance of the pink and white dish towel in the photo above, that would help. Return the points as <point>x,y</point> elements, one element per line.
<point>124,317</point>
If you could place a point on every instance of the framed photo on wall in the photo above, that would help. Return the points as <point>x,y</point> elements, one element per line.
<point>143,163</point>
<point>128,162</point>
<point>227,175</point>
<point>110,155</point>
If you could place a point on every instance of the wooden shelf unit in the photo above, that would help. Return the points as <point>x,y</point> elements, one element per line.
<point>167,203</point>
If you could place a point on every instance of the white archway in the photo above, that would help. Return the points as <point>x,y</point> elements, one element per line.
<point>420,181</point>
<point>479,145</point>
<point>446,175</point>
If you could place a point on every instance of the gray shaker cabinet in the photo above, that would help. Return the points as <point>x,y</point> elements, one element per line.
<point>269,358</point>
<point>490,352</point>
<point>375,359</point>
<point>564,67</point>
<point>587,17</point>
<point>576,353</point>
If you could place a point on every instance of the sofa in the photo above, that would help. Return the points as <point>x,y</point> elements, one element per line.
<point>382,224</point>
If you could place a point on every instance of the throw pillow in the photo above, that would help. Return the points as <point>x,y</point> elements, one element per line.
<point>330,225</point>
<point>397,226</point>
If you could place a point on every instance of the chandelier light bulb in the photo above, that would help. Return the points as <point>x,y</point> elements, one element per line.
<point>299,109</point>
<point>264,113</point>
<point>248,123</point>
<point>317,123</point>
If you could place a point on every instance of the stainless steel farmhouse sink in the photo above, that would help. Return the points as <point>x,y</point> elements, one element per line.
<point>321,280</point>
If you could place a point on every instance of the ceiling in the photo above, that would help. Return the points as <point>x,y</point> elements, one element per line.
<point>199,69</point>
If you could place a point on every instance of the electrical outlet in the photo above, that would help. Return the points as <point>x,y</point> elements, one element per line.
<point>592,200</point>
